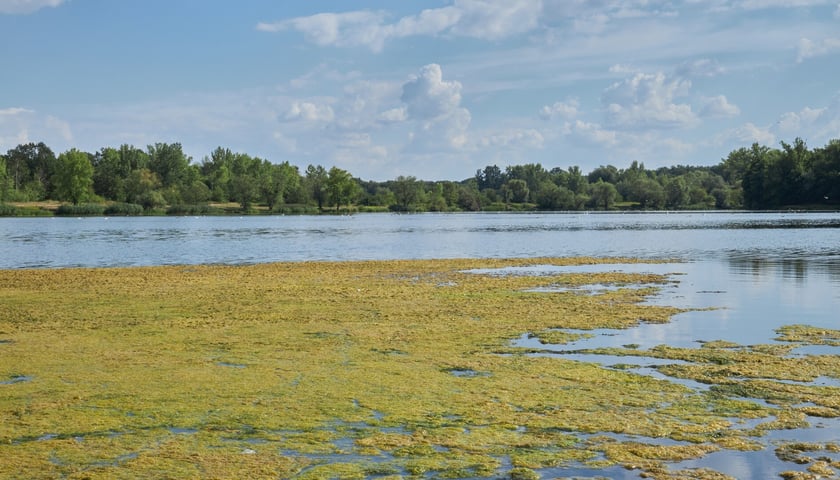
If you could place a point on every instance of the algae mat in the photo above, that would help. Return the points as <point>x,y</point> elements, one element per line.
<point>387,369</point>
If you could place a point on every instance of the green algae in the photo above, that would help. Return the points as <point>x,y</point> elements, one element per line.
<point>359,370</point>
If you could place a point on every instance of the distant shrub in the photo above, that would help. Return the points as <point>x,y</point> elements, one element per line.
<point>193,210</point>
<point>124,209</point>
<point>296,209</point>
<point>7,210</point>
<point>82,209</point>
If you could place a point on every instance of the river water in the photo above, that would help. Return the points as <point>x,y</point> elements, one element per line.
<point>759,271</point>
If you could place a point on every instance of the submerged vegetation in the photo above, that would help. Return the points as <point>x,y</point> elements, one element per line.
<point>386,369</point>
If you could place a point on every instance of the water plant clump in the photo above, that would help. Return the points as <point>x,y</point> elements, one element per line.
<point>347,370</point>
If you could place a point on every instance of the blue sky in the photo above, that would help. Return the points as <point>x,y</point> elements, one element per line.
<point>434,89</point>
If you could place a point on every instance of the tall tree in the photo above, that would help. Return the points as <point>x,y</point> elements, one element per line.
<point>603,194</point>
<point>30,168</point>
<point>406,192</point>
<point>4,179</point>
<point>316,183</point>
<point>73,177</point>
<point>341,187</point>
<point>169,162</point>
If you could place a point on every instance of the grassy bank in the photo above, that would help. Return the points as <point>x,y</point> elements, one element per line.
<point>393,369</point>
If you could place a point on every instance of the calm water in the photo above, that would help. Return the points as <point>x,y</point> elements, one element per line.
<point>761,271</point>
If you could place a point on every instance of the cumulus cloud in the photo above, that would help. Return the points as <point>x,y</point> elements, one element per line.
<point>718,107</point>
<point>588,133</point>
<point>566,110</point>
<point>394,115</point>
<point>815,123</point>
<point>427,95</point>
<point>435,106</point>
<point>483,19</point>
<point>809,49</point>
<point>309,112</point>
<point>648,101</point>
<point>26,6</point>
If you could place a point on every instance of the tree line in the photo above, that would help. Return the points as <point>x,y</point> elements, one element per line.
<point>162,178</point>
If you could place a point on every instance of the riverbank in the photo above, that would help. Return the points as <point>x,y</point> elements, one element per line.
<point>381,369</point>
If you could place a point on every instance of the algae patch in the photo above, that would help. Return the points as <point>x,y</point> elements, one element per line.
<point>353,370</point>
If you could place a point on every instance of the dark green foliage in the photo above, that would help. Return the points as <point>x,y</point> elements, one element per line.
<point>126,209</point>
<point>192,210</point>
<point>81,210</point>
<point>7,210</point>
<point>163,179</point>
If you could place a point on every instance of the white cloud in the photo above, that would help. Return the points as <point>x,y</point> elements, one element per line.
<point>703,67</point>
<point>309,112</point>
<point>394,115</point>
<point>567,110</point>
<point>434,104</point>
<point>26,6</point>
<point>444,133</point>
<point>483,19</point>
<point>22,125</point>
<point>764,4</point>
<point>647,101</point>
<point>622,69</point>
<point>513,138</point>
<point>14,111</point>
<point>427,95</point>
<point>817,124</point>
<point>749,133</point>
<point>718,107</point>
<point>591,134</point>
<point>495,19</point>
<point>809,49</point>
<point>837,12</point>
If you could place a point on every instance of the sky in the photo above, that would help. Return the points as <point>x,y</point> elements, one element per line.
<point>434,89</point>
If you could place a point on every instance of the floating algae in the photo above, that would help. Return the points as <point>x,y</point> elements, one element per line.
<point>387,369</point>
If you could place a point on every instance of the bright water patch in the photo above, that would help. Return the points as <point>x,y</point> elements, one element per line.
<point>16,379</point>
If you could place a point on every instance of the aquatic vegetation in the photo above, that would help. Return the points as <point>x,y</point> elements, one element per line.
<point>386,369</point>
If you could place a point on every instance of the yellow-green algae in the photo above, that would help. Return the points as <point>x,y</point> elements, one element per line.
<point>387,369</point>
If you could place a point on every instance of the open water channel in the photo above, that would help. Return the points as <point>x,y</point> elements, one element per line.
<point>759,271</point>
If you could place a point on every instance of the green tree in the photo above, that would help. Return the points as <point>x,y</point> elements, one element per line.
<point>215,170</point>
<point>342,189</point>
<point>316,183</point>
<point>30,168</point>
<point>193,190</point>
<point>533,174</point>
<point>4,179</point>
<point>141,188</point>
<point>759,182</point>
<point>554,197</point>
<point>825,174</point>
<point>676,193</point>
<point>491,177</point>
<point>277,182</point>
<point>406,193</point>
<point>608,174</point>
<point>576,182</point>
<point>73,177</point>
<point>516,190</point>
<point>602,194</point>
<point>169,162</point>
